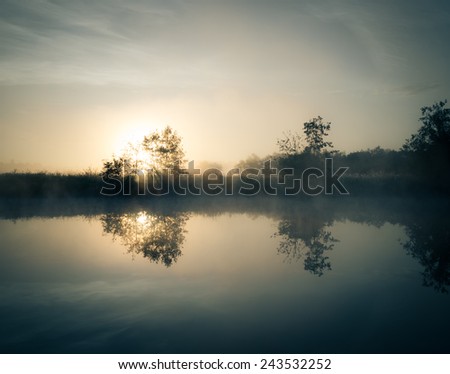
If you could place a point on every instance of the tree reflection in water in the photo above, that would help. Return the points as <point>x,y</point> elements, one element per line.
<point>303,235</point>
<point>429,243</point>
<point>157,237</point>
<point>308,240</point>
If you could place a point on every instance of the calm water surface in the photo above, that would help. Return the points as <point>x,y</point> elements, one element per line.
<point>291,277</point>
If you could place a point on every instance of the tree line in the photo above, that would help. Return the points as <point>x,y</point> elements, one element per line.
<point>425,154</point>
<point>420,166</point>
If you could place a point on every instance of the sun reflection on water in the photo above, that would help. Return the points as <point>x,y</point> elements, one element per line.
<point>157,237</point>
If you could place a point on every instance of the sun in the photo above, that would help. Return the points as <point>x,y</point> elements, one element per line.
<point>142,218</point>
<point>129,140</point>
<point>133,133</point>
<point>129,144</point>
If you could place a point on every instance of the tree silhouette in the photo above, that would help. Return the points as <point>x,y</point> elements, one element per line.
<point>164,150</point>
<point>291,144</point>
<point>117,167</point>
<point>313,141</point>
<point>157,237</point>
<point>159,151</point>
<point>434,134</point>
<point>315,131</point>
<point>429,149</point>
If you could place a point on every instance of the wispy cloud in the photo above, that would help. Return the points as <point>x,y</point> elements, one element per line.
<point>98,42</point>
<point>415,89</point>
<point>334,45</point>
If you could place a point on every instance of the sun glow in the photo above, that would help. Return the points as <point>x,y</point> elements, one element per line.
<point>142,218</point>
<point>133,133</point>
<point>129,143</point>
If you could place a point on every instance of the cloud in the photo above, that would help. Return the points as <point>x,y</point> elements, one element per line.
<point>261,45</point>
<point>178,43</point>
<point>60,42</point>
<point>415,89</point>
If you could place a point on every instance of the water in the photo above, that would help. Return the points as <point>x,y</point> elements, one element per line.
<point>225,277</point>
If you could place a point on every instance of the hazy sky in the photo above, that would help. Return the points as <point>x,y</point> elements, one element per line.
<point>80,78</point>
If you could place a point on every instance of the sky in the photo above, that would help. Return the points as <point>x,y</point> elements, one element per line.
<point>78,79</point>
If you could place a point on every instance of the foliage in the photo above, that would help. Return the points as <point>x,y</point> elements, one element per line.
<point>117,167</point>
<point>291,144</point>
<point>434,133</point>
<point>375,162</point>
<point>165,150</point>
<point>313,142</point>
<point>32,185</point>
<point>315,131</point>
<point>159,151</point>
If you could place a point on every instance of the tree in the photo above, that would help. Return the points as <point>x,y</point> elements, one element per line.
<point>164,150</point>
<point>117,167</point>
<point>434,134</point>
<point>313,142</point>
<point>291,144</point>
<point>157,152</point>
<point>315,131</point>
